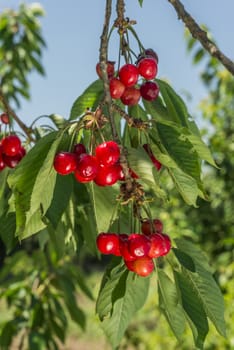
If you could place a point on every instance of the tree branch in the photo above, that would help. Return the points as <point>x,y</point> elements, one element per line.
<point>201,35</point>
<point>28,131</point>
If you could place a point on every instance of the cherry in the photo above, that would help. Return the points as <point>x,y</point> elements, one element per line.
<point>11,145</point>
<point>87,167</point>
<point>116,88</point>
<point>151,53</point>
<point>139,245</point>
<point>110,69</point>
<point>107,153</point>
<point>148,227</point>
<point>143,266</point>
<point>124,248</point>
<point>79,149</point>
<point>12,161</point>
<point>65,163</point>
<point>148,150</point>
<point>2,164</point>
<point>160,245</point>
<point>131,96</point>
<point>5,118</point>
<point>107,176</point>
<point>108,243</point>
<point>148,68</point>
<point>129,265</point>
<point>128,74</point>
<point>149,90</point>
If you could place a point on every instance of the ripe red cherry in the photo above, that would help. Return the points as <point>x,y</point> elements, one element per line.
<point>2,164</point>
<point>151,53</point>
<point>148,150</point>
<point>160,245</point>
<point>110,69</point>
<point>124,248</point>
<point>11,145</point>
<point>107,153</point>
<point>107,176</point>
<point>116,88</point>
<point>5,118</point>
<point>143,266</point>
<point>128,74</point>
<point>131,96</point>
<point>148,227</point>
<point>65,163</point>
<point>12,161</point>
<point>148,68</point>
<point>79,149</point>
<point>87,167</point>
<point>108,243</point>
<point>149,90</point>
<point>139,245</point>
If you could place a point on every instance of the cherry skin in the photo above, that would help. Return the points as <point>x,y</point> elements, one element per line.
<point>151,53</point>
<point>143,266</point>
<point>79,149</point>
<point>107,176</point>
<point>65,163</point>
<point>108,243</point>
<point>148,150</point>
<point>116,88</point>
<point>2,164</point>
<point>11,145</point>
<point>107,153</point>
<point>139,245</point>
<point>110,69</point>
<point>148,68</point>
<point>128,74</point>
<point>4,118</point>
<point>131,96</point>
<point>160,245</point>
<point>87,167</point>
<point>149,90</point>
<point>148,227</point>
<point>12,161</point>
<point>124,248</point>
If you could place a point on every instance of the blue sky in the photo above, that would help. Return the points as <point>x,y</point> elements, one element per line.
<point>72,32</point>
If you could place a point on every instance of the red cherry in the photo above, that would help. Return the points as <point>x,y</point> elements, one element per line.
<point>110,69</point>
<point>160,245</point>
<point>11,145</point>
<point>128,74</point>
<point>148,150</point>
<point>148,227</point>
<point>12,161</point>
<point>151,53</point>
<point>116,88</point>
<point>139,245</point>
<point>107,176</point>
<point>124,248</point>
<point>143,266</point>
<point>65,163</point>
<point>87,167</point>
<point>5,118</point>
<point>129,265</point>
<point>149,90</point>
<point>79,149</point>
<point>2,164</point>
<point>131,96</point>
<point>108,243</point>
<point>107,153</point>
<point>148,68</point>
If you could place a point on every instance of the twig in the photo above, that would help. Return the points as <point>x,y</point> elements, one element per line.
<point>201,35</point>
<point>28,131</point>
<point>133,122</point>
<point>120,9</point>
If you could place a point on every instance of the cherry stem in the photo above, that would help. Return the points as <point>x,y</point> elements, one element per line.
<point>28,131</point>
<point>199,34</point>
<point>141,47</point>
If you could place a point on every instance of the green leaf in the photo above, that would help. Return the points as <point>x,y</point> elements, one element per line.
<point>202,149</point>
<point>7,233</point>
<point>176,107</point>
<point>124,308</point>
<point>180,149</point>
<point>140,2</point>
<point>89,99</point>
<point>138,112</point>
<point>104,203</point>
<point>170,305</point>
<point>193,308</point>
<point>37,341</point>
<point>156,109</point>
<point>8,331</point>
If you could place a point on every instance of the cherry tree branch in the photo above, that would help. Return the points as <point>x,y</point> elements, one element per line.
<point>28,131</point>
<point>201,35</point>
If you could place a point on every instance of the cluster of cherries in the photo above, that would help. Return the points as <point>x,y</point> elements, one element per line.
<point>124,86</point>
<point>137,250</point>
<point>103,168</point>
<point>11,151</point>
